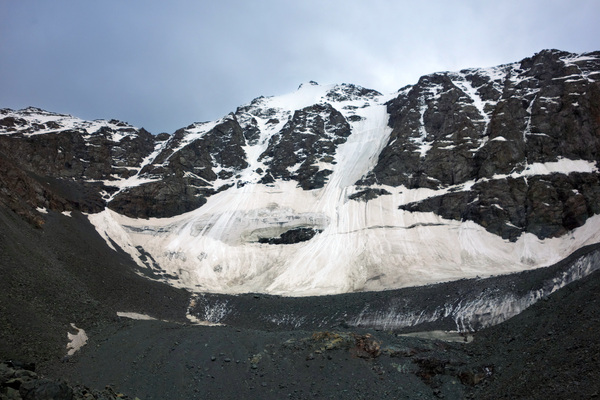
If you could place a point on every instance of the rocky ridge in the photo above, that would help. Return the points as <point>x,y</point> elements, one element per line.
<point>477,132</point>
<point>513,148</point>
<point>455,130</point>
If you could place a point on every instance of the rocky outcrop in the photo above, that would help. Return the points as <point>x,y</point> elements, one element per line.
<point>547,206</point>
<point>305,146</point>
<point>19,381</point>
<point>484,127</point>
<point>295,235</point>
<point>451,128</point>
<point>513,148</point>
<point>64,163</point>
<point>161,198</point>
<point>68,148</point>
<point>186,171</point>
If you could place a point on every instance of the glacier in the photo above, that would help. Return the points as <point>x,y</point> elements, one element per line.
<point>362,245</point>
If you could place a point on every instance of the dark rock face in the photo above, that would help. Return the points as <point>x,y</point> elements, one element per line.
<point>418,122</point>
<point>310,136</point>
<point>451,128</point>
<point>81,159</point>
<point>183,173</point>
<point>368,194</point>
<point>72,153</point>
<point>477,125</point>
<point>547,206</point>
<point>160,199</point>
<point>65,169</point>
<point>295,235</point>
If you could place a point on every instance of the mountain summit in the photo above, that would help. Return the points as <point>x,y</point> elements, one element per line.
<point>334,188</point>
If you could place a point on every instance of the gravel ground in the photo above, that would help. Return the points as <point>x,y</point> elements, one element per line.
<point>550,351</point>
<point>62,274</point>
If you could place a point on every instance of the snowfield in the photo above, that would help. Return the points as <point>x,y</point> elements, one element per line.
<point>362,245</point>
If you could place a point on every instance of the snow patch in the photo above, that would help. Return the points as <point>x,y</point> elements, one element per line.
<point>76,340</point>
<point>137,316</point>
<point>563,166</point>
<point>38,122</point>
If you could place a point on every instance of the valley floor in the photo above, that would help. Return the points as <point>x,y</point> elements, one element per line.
<point>550,351</point>
<point>60,275</point>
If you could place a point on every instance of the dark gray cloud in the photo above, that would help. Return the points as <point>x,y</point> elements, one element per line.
<point>163,65</point>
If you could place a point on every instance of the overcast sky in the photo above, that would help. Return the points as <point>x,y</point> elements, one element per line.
<point>165,64</point>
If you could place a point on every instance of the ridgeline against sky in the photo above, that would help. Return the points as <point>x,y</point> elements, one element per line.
<point>162,66</point>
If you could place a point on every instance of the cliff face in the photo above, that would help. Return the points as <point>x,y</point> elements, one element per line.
<point>335,188</point>
<point>493,129</point>
<point>58,162</point>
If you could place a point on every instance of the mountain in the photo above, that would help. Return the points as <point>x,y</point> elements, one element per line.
<point>335,188</point>
<point>321,228</point>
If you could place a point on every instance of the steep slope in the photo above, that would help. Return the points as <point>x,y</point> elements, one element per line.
<point>495,138</point>
<point>59,162</point>
<point>339,188</point>
<point>64,274</point>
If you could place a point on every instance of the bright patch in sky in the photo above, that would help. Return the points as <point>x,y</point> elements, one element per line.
<point>165,65</point>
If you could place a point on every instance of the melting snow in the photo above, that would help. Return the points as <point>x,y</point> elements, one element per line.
<point>489,308</point>
<point>563,165</point>
<point>76,340</point>
<point>360,241</point>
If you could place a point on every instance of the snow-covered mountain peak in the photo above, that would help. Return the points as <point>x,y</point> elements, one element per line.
<point>35,121</point>
<point>335,188</point>
<point>309,94</point>
<point>309,83</point>
<point>306,95</point>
